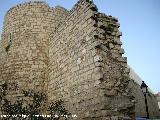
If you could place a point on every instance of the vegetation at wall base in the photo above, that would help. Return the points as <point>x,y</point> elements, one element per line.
<point>30,105</point>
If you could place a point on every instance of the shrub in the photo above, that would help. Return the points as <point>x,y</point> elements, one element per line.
<point>30,105</point>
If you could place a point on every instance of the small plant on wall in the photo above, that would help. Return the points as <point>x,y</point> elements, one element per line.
<point>7,48</point>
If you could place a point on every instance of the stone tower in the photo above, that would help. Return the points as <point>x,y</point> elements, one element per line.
<point>25,41</point>
<point>73,55</point>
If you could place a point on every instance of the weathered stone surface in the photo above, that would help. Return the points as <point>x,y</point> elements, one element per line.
<point>72,55</point>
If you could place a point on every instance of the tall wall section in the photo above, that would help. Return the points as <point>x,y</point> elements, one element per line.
<point>25,44</point>
<point>86,67</point>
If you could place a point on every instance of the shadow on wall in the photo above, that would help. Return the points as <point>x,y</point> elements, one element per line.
<point>140,106</point>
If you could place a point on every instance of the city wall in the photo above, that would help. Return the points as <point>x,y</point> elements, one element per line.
<point>71,55</point>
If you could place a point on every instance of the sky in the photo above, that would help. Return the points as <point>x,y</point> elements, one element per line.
<point>140,27</point>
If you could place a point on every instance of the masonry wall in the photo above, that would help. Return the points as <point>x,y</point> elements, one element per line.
<point>140,107</point>
<point>71,55</point>
<point>87,69</point>
<point>26,32</point>
<point>158,99</point>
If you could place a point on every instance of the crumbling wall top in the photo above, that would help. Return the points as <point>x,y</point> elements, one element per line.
<point>30,3</point>
<point>60,8</point>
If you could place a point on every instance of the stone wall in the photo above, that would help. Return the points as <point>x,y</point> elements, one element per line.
<point>140,107</point>
<point>71,55</point>
<point>87,69</point>
<point>25,43</point>
<point>158,99</point>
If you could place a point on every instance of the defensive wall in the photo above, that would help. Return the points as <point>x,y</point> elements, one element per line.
<point>71,55</point>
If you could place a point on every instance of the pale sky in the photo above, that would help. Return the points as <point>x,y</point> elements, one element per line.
<point>140,26</point>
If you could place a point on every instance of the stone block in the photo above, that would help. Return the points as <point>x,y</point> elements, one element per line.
<point>97,58</point>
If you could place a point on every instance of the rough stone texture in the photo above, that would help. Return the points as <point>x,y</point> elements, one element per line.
<point>26,30</point>
<point>158,99</point>
<point>72,55</point>
<point>89,72</point>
